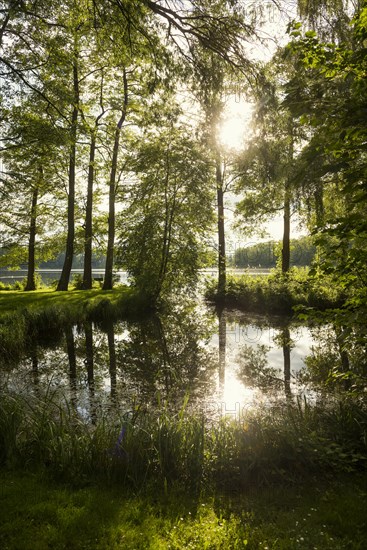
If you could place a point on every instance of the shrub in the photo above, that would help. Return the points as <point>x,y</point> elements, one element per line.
<point>278,293</point>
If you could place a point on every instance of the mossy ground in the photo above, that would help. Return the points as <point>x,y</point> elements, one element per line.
<point>38,514</point>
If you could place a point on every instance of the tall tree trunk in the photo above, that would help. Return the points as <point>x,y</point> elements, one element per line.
<point>286,245</point>
<point>87,272</point>
<point>286,337</point>
<point>170,211</point>
<point>108,282</point>
<point>221,231</point>
<point>286,252</point>
<point>31,282</point>
<point>69,252</point>
<point>112,359</point>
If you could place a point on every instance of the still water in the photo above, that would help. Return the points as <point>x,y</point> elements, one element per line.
<point>49,276</point>
<point>221,362</point>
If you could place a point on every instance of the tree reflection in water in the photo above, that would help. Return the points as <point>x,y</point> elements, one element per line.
<point>171,360</point>
<point>70,347</point>
<point>160,360</point>
<point>255,369</point>
<point>222,329</point>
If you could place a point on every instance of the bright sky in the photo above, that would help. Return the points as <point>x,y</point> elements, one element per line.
<point>272,23</point>
<point>236,126</point>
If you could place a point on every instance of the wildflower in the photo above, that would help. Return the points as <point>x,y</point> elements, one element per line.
<point>117,450</point>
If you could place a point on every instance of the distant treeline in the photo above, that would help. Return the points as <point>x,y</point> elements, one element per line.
<point>263,255</point>
<point>98,262</point>
<point>266,254</point>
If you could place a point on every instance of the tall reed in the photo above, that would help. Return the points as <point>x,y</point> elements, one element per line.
<point>161,448</point>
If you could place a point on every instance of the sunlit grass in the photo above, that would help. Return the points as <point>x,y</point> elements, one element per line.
<point>38,513</point>
<point>26,315</point>
<point>11,301</point>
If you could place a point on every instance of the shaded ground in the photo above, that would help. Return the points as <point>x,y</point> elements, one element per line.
<point>39,514</point>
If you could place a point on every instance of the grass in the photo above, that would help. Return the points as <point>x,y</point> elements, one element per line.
<point>17,301</point>
<point>163,448</point>
<point>39,514</point>
<point>277,293</point>
<point>28,315</point>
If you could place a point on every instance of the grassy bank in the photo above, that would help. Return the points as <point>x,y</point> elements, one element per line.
<point>26,315</point>
<point>75,302</point>
<point>291,477</point>
<point>38,513</point>
<point>278,293</point>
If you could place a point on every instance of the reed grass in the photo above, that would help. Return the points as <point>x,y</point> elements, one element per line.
<point>160,448</point>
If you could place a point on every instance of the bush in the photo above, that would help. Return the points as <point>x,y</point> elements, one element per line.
<point>278,293</point>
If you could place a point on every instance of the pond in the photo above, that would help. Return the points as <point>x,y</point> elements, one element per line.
<point>192,356</point>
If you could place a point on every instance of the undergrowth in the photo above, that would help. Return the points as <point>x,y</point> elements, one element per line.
<point>278,293</point>
<point>160,449</point>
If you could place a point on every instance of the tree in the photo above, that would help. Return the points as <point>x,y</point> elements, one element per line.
<point>329,18</point>
<point>69,251</point>
<point>331,96</point>
<point>51,51</point>
<point>42,56</point>
<point>169,210</point>
<point>208,82</point>
<point>266,167</point>
<point>29,179</point>
<point>107,285</point>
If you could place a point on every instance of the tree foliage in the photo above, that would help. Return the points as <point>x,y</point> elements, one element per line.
<point>169,211</point>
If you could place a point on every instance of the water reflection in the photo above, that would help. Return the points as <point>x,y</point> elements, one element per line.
<point>70,347</point>
<point>259,358</point>
<point>222,333</point>
<point>286,341</point>
<point>218,361</point>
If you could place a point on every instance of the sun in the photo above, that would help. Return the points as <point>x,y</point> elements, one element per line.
<point>235,128</point>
